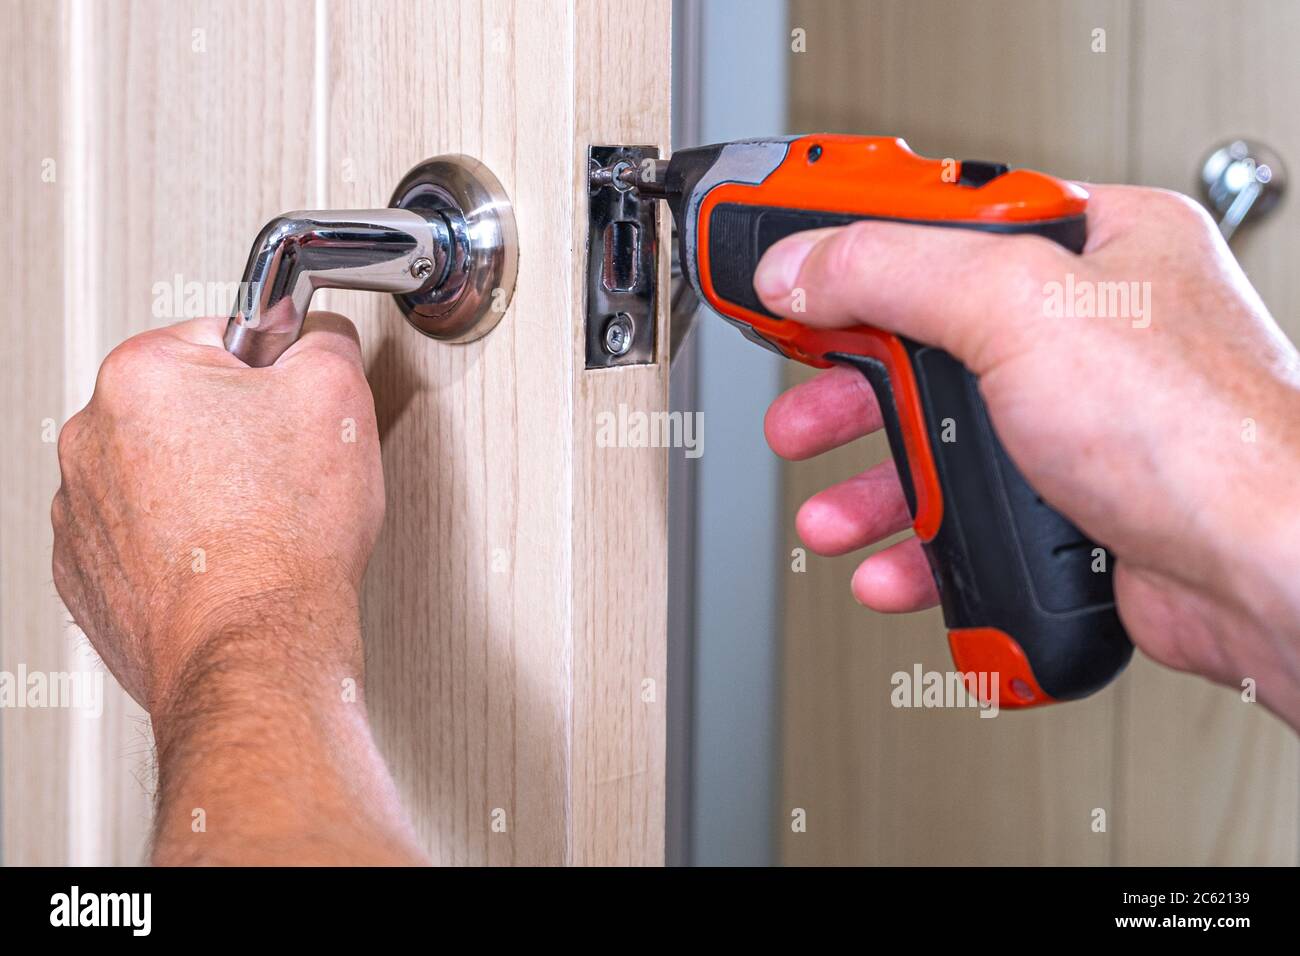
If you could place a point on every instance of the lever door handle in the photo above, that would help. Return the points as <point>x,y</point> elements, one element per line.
<point>445,248</point>
<point>1240,179</point>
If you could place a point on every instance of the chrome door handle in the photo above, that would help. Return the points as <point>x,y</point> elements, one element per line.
<point>446,248</point>
<point>1240,179</point>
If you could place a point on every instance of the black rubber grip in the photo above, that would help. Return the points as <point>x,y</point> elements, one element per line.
<point>739,235</point>
<point>1002,558</point>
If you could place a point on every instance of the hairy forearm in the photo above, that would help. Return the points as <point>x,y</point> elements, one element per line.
<point>1266,578</point>
<point>265,757</point>
<point>1254,535</point>
<point>1257,521</point>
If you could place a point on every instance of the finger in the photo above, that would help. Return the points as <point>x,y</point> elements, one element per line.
<point>823,413</point>
<point>1123,219</point>
<point>1112,211</point>
<point>959,289</point>
<point>328,332</point>
<point>855,513</point>
<point>208,330</point>
<point>67,579</point>
<point>202,340</point>
<point>172,340</point>
<point>896,580</point>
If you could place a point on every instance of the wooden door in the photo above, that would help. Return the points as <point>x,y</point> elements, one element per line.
<point>514,610</point>
<point>1187,773</point>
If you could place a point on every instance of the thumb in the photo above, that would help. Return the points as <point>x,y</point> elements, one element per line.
<point>328,332</point>
<point>958,289</point>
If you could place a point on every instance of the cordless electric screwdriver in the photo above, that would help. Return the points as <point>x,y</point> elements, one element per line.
<point>1025,595</point>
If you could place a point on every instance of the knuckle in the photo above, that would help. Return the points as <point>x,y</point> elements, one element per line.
<point>338,323</point>
<point>331,378</point>
<point>127,372</point>
<point>1024,262</point>
<point>58,511</point>
<point>59,557</point>
<point>1180,209</point>
<point>59,573</point>
<point>852,246</point>
<point>122,358</point>
<point>337,372</point>
<point>66,447</point>
<point>121,366</point>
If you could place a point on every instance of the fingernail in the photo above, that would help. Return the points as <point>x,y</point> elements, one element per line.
<point>778,270</point>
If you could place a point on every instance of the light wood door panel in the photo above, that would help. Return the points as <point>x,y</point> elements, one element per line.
<point>514,611</point>
<point>531,565</point>
<point>31,616</point>
<point>475,458</point>
<point>163,161</point>
<point>1185,772</point>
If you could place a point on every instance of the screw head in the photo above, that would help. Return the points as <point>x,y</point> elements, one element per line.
<point>618,334</point>
<point>422,268</point>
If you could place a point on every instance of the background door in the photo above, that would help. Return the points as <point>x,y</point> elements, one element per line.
<point>514,611</point>
<point>1186,773</point>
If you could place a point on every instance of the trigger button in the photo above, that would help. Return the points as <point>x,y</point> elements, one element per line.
<point>977,172</point>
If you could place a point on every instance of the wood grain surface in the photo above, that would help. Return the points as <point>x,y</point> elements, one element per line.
<point>33,743</point>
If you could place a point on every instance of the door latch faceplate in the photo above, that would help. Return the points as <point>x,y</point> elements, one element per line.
<point>622,261</point>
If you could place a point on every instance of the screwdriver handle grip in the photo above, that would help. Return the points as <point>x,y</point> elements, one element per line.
<point>1026,596</point>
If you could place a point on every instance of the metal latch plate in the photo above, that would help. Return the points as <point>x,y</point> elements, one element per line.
<point>622,264</point>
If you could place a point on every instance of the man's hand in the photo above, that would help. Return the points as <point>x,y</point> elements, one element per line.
<point>211,532</point>
<point>1172,438</point>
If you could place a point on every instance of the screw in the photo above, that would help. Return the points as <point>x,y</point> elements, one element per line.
<point>422,268</point>
<point>1021,689</point>
<point>618,334</point>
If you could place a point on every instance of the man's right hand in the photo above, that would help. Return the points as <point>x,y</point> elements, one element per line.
<point>1171,437</point>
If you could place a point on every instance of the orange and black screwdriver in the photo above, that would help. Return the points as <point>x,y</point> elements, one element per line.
<point>1026,596</point>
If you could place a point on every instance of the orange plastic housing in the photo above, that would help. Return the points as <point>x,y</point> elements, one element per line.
<point>880,176</point>
<point>987,650</point>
